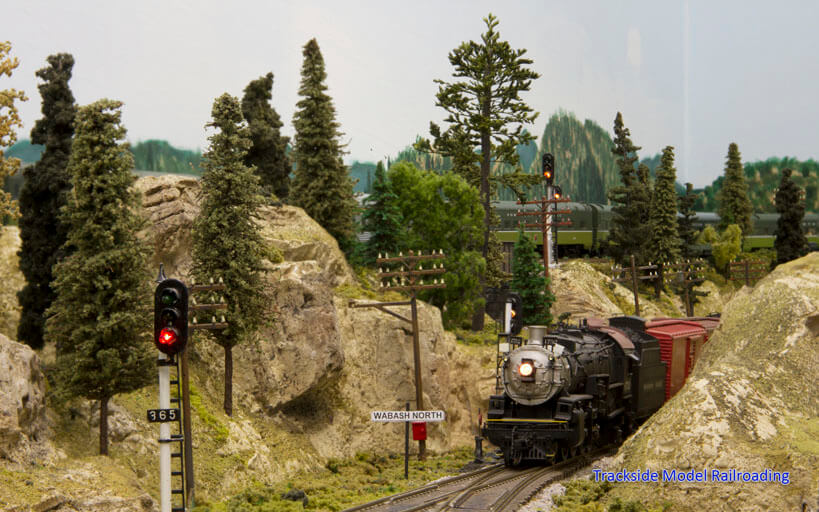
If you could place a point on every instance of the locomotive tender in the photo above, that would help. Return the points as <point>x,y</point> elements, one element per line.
<point>570,389</point>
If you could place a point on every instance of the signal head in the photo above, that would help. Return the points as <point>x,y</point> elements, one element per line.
<point>171,316</point>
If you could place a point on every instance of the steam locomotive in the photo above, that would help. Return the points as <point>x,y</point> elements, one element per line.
<point>570,389</point>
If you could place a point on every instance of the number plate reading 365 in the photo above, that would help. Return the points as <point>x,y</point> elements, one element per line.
<point>163,415</point>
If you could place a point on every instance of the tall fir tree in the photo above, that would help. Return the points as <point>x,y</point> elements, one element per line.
<point>790,242</point>
<point>665,238</point>
<point>99,317</point>
<point>267,150</point>
<point>227,243</point>
<point>382,218</point>
<point>44,192</point>
<point>9,122</point>
<point>734,205</point>
<point>630,228</point>
<point>529,282</point>
<point>486,116</point>
<point>322,185</point>
<point>685,222</point>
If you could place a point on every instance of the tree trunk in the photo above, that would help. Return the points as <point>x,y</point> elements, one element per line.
<point>104,426</point>
<point>228,380</point>
<point>486,150</point>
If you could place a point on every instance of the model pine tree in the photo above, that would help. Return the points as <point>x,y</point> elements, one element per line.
<point>734,205</point>
<point>685,223</point>
<point>9,121</point>
<point>227,243</point>
<point>382,218</point>
<point>665,238</point>
<point>630,229</point>
<point>267,149</point>
<point>529,282</point>
<point>790,242</point>
<point>322,185</point>
<point>486,117</point>
<point>44,192</point>
<point>100,317</point>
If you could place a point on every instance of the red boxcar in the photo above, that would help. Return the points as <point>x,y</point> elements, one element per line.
<point>681,342</point>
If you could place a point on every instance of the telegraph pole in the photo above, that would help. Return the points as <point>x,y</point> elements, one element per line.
<point>410,279</point>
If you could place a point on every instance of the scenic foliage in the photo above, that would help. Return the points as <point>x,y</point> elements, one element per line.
<point>790,242</point>
<point>322,185</point>
<point>44,192</point>
<point>528,280</point>
<point>685,222</point>
<point>227,242</point>
<point>159,156</point>
<point>630,230</point>
<point>734,206</point>
<point>267,153</point>
<point>486,116</point>
<point>725,246</point>
<point>9,122</point>
<point>665,240</point>
<point>443,212</point>
<point>382,218</point>
<point>98,319</point>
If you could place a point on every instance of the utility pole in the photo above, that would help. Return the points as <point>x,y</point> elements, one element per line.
<point>547,209</point>
<point>410,279</point>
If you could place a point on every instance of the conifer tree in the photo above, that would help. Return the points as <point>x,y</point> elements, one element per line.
<point>9,121</point>
<point>99,317</point>
<point>790,242</point>
<point>44,192</point>
<point>734,205</point>
<point>685,223</point>
<point>486,116</point>
<point>530,283</point>
<point>665,240</point>
<point>630,228</point>
<point>382,218</point>
<point>227,243</point>
<point>267,151</point>
<point>322,185</point>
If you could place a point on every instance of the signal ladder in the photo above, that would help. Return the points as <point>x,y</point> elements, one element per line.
<point>177,438</point>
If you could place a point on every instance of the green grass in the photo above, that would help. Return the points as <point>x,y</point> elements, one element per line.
<point>588,496</point>
<point>344,483</point>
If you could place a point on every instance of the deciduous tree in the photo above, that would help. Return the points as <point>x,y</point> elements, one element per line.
<point>734,205</point>
<point>486,117</point>
<point>100,315</point>
<point>267,150</point>
<point>44,192</point>
<point>322,185</point>
<point>227,243</point>
<point>790,242</point>
<point>9,121</point>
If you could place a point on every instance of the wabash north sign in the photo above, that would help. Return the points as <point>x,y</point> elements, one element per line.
<point>396,416</point>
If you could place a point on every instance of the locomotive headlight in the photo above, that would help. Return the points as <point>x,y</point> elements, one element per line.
<point>526,369</point>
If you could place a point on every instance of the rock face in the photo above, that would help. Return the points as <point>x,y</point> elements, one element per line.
<point>23,424</point>
<point>751,403</point>
<point>13,280</point>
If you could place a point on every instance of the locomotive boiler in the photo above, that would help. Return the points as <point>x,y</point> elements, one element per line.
<point>565,391</point>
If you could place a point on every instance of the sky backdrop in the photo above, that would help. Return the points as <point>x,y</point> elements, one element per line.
<point>696,75</point>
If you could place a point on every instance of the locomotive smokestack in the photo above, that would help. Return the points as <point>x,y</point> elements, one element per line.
<point>536,334</point>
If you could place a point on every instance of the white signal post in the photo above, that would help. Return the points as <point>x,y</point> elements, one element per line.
<point>164,433</point>
<point>550,194</point>
<point>507,318</point>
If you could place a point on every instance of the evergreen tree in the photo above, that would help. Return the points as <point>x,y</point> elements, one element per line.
<point>382,218</point>
<point>486,116</point>
<point>630,227</point>
<point>98,318</point>
<point>734,205</point>
<point>790,242</point>
<point>530,283</point>
<point>267,151</point>
<point>685,223</point>
<point>9,121</point>
<point>321,185</point>
<point>44,192</point>
<point>665,239</point>
<point>227,243</point>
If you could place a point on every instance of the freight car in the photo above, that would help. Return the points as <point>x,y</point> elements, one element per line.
<point>569,389</point>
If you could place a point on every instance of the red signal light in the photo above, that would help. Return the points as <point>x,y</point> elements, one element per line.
<point>168,337</point>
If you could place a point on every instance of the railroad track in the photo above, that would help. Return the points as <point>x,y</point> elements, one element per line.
<point>494,488</point>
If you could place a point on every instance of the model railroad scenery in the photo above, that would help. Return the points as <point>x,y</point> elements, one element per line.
<point>376,288</point>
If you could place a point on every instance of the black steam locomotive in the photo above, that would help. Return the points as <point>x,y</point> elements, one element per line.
<point>570,389</point>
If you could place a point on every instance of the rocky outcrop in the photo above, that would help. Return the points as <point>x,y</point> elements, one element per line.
<point>13,280</point>
<point>750,404</point>
<point>23,424</point>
